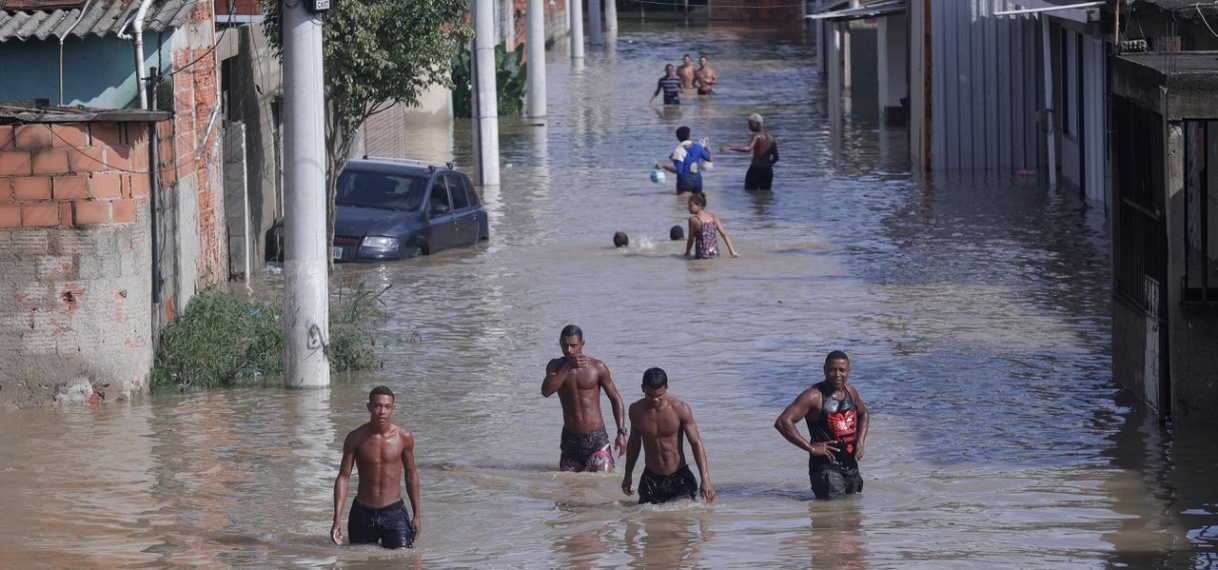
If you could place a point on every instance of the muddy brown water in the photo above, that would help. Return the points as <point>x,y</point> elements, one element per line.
<point>975,309</point>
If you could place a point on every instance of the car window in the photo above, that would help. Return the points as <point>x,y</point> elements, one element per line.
<point>381,190</point>
<point>469,190</point>
<point>439,194</point>
<point>457,189</point>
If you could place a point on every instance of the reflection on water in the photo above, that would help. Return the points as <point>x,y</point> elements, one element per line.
<point>975,308</point>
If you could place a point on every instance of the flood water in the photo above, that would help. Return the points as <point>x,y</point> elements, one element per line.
<point>975,309</point>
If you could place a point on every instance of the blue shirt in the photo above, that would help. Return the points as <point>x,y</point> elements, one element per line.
<point>689,164</point>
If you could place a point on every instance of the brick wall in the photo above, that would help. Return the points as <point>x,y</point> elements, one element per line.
<point>72,175</point>
<point>76,263</point>
<point>238,7</point>
<point>758,11</point>
<point>74,259</point>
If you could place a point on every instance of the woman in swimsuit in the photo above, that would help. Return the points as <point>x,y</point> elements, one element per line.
<point>704,231</point>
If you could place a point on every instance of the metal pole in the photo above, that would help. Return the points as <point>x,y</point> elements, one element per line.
<point>1050,132</point>
<point>535,47</point>
<point>306,267</point>
<point>484,86</point>
<point>577,28</point>
<point>594,22</point>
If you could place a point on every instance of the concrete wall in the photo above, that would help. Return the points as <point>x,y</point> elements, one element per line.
<point>255,90</point>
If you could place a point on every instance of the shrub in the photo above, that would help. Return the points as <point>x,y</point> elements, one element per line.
<point>223,340</point>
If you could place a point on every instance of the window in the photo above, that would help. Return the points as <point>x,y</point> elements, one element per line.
<point>457,189</point>
<point>439,195</point>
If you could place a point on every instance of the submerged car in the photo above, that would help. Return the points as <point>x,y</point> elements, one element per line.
<point>393,209</point>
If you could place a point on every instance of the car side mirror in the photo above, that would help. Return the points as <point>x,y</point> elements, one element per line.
<point>438,209</point>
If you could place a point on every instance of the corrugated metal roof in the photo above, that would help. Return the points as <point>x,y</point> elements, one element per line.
<point>1180,9</point>
<point>97,17</point>
<point>866,9</point>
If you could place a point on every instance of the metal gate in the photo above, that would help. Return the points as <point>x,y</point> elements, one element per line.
<point>1140,234</point>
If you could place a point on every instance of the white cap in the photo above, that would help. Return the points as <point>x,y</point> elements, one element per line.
<point>755,118</point>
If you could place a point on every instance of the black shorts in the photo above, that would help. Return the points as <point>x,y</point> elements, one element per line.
<point>759,177</point>
<point>388,525</point>
<point>664,488</point>
<point>833,480</point>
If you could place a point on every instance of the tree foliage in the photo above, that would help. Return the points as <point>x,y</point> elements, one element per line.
<point>377,53</point>
<point>511,80</point>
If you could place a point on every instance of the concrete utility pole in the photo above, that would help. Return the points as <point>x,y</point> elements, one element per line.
<point>486,135</point>
<point>508,10</point>
<point>306,262</point>
<point>535,47</point>
<point>611,15</point>
<point>594,22</point>
<point>576,8</point>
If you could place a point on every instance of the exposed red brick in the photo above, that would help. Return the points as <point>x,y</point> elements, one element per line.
<point>107,134</point>
<point>87,159</point>
<point>92,212</point>
<point>6,137</point>
<point>40,215</point>
<point>139,185</point>
<point>65,214</point>
<point>32,188</point>
<point>183,102</point>
<point>74,187</point>
<point>107,186</point>
<point>118,157</point>
<point>16,163</point>
<point>69,135</point>
<point>32,137</point>
<point>50,161</point>
<point>71,295</point>
<point>124,211</point>
<point>10,216</point>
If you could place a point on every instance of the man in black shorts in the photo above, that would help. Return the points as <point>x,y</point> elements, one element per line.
<point>661,424</point>
<point>765,153</point>
<point>837,421</point>
<point>383,451</point>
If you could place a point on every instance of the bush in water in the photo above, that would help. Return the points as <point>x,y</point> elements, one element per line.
<point>223,340</point>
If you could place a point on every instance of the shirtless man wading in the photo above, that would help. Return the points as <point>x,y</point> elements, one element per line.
<point>686,72</point>
<point>705,77</point>
<point>578,379</point>
<point>660,424</point>
<point>382,451</point>
<point>760,175</point>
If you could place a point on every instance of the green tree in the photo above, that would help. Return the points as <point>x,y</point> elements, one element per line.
<point>377,53</point>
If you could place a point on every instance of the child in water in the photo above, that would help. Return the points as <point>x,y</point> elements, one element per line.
<point>704,229</point>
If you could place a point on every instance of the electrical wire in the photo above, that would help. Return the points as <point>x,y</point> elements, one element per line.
<point>1206,22</point>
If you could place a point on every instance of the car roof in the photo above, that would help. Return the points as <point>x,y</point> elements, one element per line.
<point>399,165</point>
